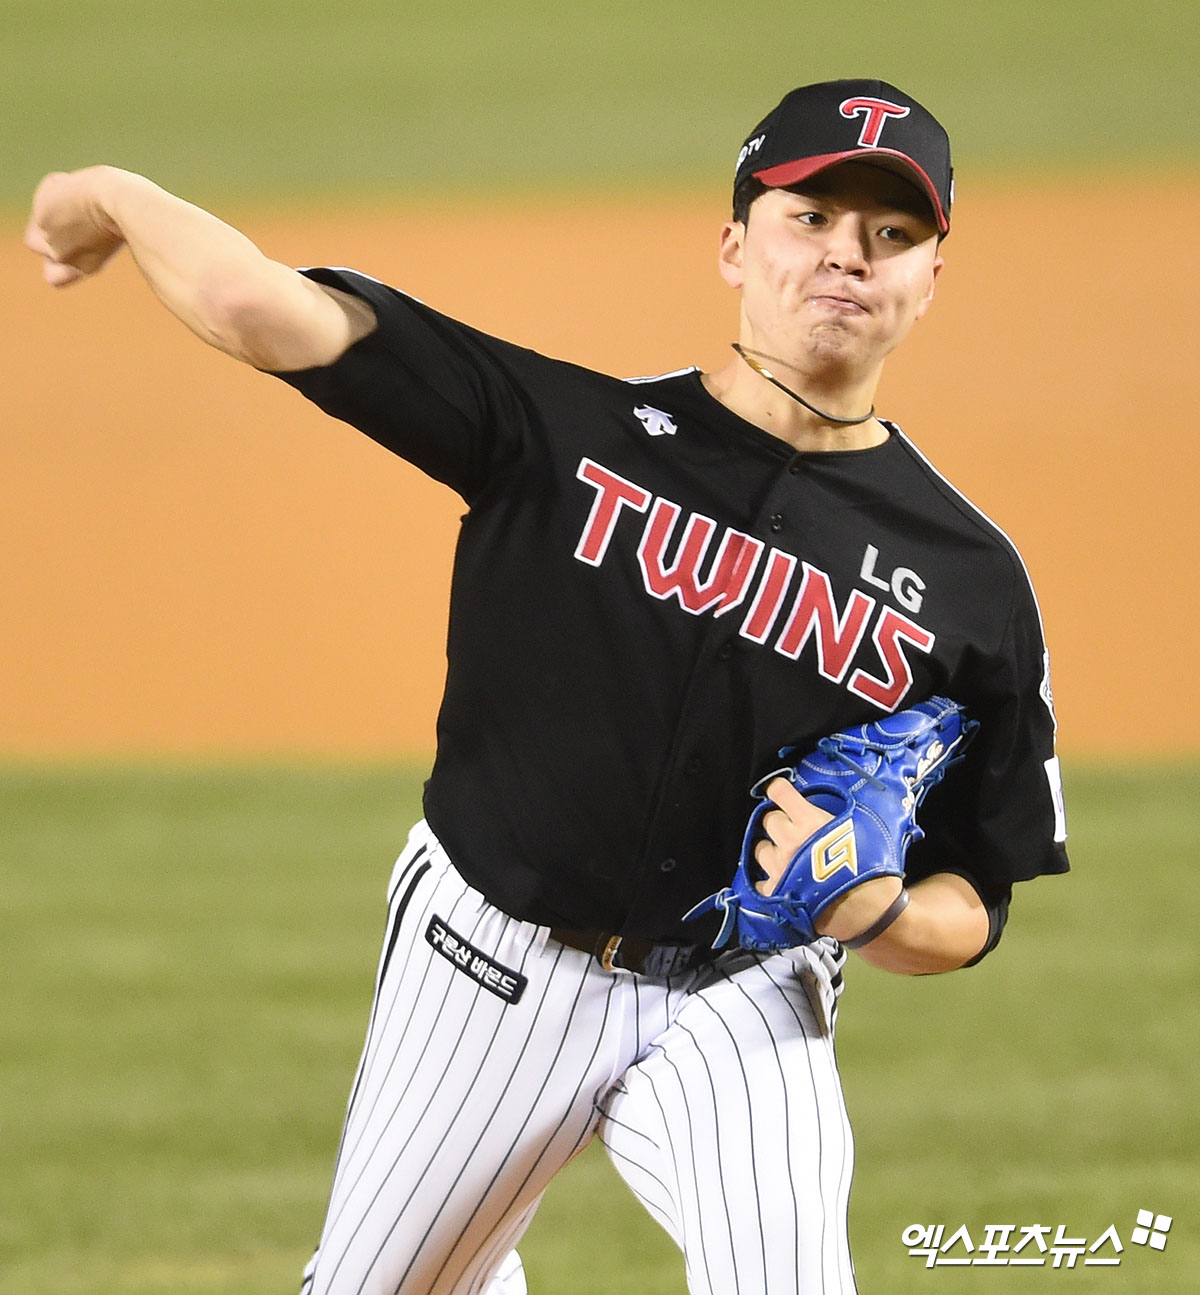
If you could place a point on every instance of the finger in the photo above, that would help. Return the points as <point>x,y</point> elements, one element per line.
<point>47,187</point>
<point>775,824</point>
<point>785,795</point>
<point>35,239</point>
<point>803,813</point>
<point>58,275</point>
<point>768,859</point>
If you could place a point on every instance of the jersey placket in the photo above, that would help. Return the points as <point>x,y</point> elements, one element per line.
<point>698,754</point>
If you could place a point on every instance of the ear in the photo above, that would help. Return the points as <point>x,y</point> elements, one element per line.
<point>729,254</point>
<point>927,300</point>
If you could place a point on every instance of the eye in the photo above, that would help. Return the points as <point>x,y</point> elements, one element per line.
<point>895,234</point>
<point>811,218</point>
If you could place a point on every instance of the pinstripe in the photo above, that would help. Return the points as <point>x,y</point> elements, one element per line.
<point>533,1106</point>
<point>629,1128</point>
<point>568,1107</point>
<point>343,1193</point>
<point>430,1047</point>
<point>822,1128</point>
<point>366,1116</point>
<point>629,1160</point>
<point>750,1120</point>
<point>683,1227</point>
<point>364,1210</point>
<point>816,1097</point>
<point>396,917</point>
<point>842,1200</point>
<point>503,1243</point>
<point>661,1210</point>
<point>846,1171</point>
<point>414,999</point>
<point>787,1130</point>
<point>574,1103</point>
<point>394,1002</point>
<point>700,1196</point>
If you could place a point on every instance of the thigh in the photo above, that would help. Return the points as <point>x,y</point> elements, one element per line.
<point>485,1052</point>
<point>732,1130</point>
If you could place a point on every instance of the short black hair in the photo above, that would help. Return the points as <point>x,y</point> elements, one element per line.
<point>746,192</point>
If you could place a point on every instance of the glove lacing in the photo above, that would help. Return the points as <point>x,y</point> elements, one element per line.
<point>833,750</point>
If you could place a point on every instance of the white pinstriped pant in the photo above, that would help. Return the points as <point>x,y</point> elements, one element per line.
<point>715,1092</point>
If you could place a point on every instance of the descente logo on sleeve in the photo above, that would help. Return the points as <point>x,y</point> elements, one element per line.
<point>497,979</point>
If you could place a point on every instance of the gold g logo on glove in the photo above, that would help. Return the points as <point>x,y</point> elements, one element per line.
<point>837,849</point>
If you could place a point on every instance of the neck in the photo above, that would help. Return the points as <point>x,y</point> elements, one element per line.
<point>835,416</point>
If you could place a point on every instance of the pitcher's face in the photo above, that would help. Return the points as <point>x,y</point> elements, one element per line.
<point>834,271</point>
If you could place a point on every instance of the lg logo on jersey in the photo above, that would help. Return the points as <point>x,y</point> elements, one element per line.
<point>783,592</point>
<point>906,586</point>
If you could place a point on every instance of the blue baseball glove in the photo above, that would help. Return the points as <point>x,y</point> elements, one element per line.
<point>871,779</point>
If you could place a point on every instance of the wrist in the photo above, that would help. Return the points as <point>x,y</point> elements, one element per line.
<point>853,912</point>
<point>107,190</point>
<point>881,923</point>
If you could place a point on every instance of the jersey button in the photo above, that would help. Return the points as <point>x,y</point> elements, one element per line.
<point>796,467</point>
<point>667,865</point>
<point>725,651</point>
<point>776,523</point>
<point>693,766</point>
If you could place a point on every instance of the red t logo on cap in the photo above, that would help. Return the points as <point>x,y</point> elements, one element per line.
<point>876,111</point>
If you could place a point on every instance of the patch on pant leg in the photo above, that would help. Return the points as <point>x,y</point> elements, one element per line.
<point>499,980</point>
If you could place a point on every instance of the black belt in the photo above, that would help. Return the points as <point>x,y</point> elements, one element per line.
<point>632,953</point>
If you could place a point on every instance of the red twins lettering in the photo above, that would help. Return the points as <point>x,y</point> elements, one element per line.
<point>876,111</point>
<point>611,492</point>
<point>729,573</point>
<point>702,584</point>
<point>837,639</point>
<point>890,630</point>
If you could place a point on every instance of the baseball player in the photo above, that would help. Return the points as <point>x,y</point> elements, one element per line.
<point>659,583</point>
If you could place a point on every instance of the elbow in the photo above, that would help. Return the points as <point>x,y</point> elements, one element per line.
<point>234,315</point>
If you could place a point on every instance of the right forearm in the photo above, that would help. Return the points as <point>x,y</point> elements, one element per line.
<point>200,268</point>
<point>186,255</point>
<point>204,271</point>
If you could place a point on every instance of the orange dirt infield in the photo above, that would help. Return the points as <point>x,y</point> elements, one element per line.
<point>195,562</point>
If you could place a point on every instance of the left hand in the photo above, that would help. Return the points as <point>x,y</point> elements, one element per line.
<point>793,820</point>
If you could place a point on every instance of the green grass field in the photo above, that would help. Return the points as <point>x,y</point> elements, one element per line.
<point>260,98</point>
<point>188,963</point>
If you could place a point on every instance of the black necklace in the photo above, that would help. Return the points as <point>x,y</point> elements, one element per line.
<point>764,372</point>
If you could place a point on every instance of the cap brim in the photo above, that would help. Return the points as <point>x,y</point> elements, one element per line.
<point>779,177</point>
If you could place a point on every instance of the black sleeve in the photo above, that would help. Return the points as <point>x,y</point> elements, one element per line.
<point>997,818</point>
<point>426,387</point>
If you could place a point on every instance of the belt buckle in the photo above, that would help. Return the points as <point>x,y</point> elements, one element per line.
<point>606,955</point>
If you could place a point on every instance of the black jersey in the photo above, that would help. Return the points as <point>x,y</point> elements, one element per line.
<point>652,596</point>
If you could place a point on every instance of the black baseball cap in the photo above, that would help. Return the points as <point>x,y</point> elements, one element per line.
<point>818,126</point>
